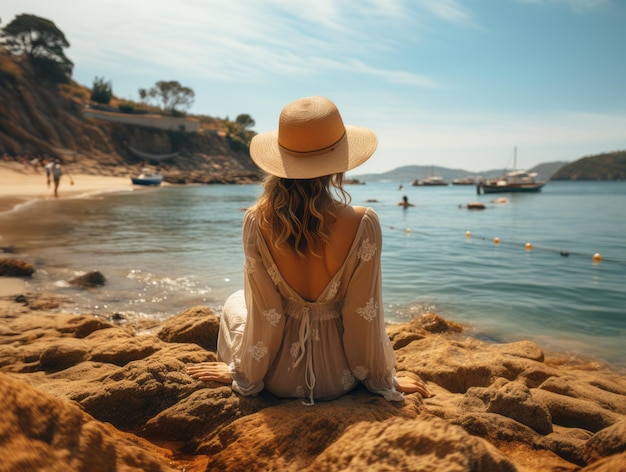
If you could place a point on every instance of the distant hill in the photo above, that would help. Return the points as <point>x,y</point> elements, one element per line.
<point>408,174</point>
<point>607,166</point>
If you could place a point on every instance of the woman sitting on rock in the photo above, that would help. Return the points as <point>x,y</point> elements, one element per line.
<point>309,323</point>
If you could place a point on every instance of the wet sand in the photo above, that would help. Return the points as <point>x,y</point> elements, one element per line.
<point>11,286</point>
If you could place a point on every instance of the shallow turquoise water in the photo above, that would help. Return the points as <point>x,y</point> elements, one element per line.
<point>166,249</point>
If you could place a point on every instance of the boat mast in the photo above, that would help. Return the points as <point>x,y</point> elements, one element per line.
<point>514,158</point>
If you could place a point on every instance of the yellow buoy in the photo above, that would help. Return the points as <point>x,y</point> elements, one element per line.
<point>528,246</point>
<point>468,234</point>
<point>597,257</point>
<point>408,230</point>
<point>496,240</point>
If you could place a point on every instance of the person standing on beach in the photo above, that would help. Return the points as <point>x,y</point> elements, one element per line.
<point>48,168</point>
<point>309,322</point>
<point>35,162</point>
<point>57,172</point>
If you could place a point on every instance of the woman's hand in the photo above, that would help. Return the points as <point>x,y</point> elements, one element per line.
<point>210,372</point>
<point>412,384</point>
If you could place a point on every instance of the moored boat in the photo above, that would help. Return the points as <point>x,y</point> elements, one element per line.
<point>514,181</point>
<point>147,177</point>
<point>432,181</point>
<point>464,181</point>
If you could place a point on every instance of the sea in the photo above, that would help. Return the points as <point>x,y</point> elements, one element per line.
<point>548,267</point>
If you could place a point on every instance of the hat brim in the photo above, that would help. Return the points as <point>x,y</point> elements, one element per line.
<point>354,149</point>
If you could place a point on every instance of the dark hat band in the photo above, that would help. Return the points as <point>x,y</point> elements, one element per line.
<point>315,151</point>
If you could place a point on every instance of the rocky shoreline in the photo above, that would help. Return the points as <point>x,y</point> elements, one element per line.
<point>89,394</point>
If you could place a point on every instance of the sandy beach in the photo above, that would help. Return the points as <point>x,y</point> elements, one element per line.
<point>19,185</point>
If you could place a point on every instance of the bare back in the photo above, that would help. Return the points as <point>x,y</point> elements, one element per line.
<point>310,275</point>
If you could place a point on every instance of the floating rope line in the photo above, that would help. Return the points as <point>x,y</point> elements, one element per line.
<point>528,247</point>
<point>409,231</point>
<point>596,257</point>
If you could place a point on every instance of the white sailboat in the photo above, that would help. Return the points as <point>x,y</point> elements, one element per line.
<point>514,181</point>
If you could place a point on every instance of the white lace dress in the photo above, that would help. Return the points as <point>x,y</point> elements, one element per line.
<point>271,338</point>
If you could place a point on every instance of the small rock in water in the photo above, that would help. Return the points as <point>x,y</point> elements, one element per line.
<point>475,206</point>
<point>90,279</point>
<point>15,268</point>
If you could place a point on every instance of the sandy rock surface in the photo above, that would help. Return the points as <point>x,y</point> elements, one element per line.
<point>82,393</point>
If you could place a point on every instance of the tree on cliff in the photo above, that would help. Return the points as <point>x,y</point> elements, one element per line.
<point>101,91</point>
<point>171,94</point>
<point>42,42</point>
<point>143,95</point>
<point>239,135</point>
<point>245,121</point>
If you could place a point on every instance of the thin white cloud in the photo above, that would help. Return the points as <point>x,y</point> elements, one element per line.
<point>248,39</point>
<point>392,76</point>
<point>397,9</point>
<point>450,11</point>
<point>576,5</point>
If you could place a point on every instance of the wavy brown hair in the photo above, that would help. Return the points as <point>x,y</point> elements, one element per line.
<point>296,212</point>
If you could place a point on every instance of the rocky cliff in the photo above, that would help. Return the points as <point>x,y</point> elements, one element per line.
<point>42,119</point>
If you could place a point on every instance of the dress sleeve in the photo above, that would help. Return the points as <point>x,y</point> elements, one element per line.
<point>265,320</point>
<point>367,346</point>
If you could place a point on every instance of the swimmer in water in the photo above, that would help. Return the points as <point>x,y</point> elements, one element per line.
<point>405,202</point>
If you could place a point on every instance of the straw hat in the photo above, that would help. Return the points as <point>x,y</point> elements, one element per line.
<point>312,141</point>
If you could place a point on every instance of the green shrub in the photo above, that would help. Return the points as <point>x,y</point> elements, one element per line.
<point>126,107</point>
<point>102,91</point>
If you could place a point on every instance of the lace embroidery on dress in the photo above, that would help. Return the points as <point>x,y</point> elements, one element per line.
<point>258,351</point>
<point>294,350</point>
<point>274,274</point>
<point>369,311</point>
<point>347,379</point>
<point>315,333</point>
<point>249,265</point>
<point>272,316</point>
<point>367,250</point>
<point>360,372</point>
<point>332,291</point>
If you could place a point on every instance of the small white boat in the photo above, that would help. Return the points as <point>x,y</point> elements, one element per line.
<point>147,177</point>
<point>464,181</point>
<point>430,181</point>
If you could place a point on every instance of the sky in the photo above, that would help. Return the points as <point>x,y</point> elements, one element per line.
<point>451,83</point>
